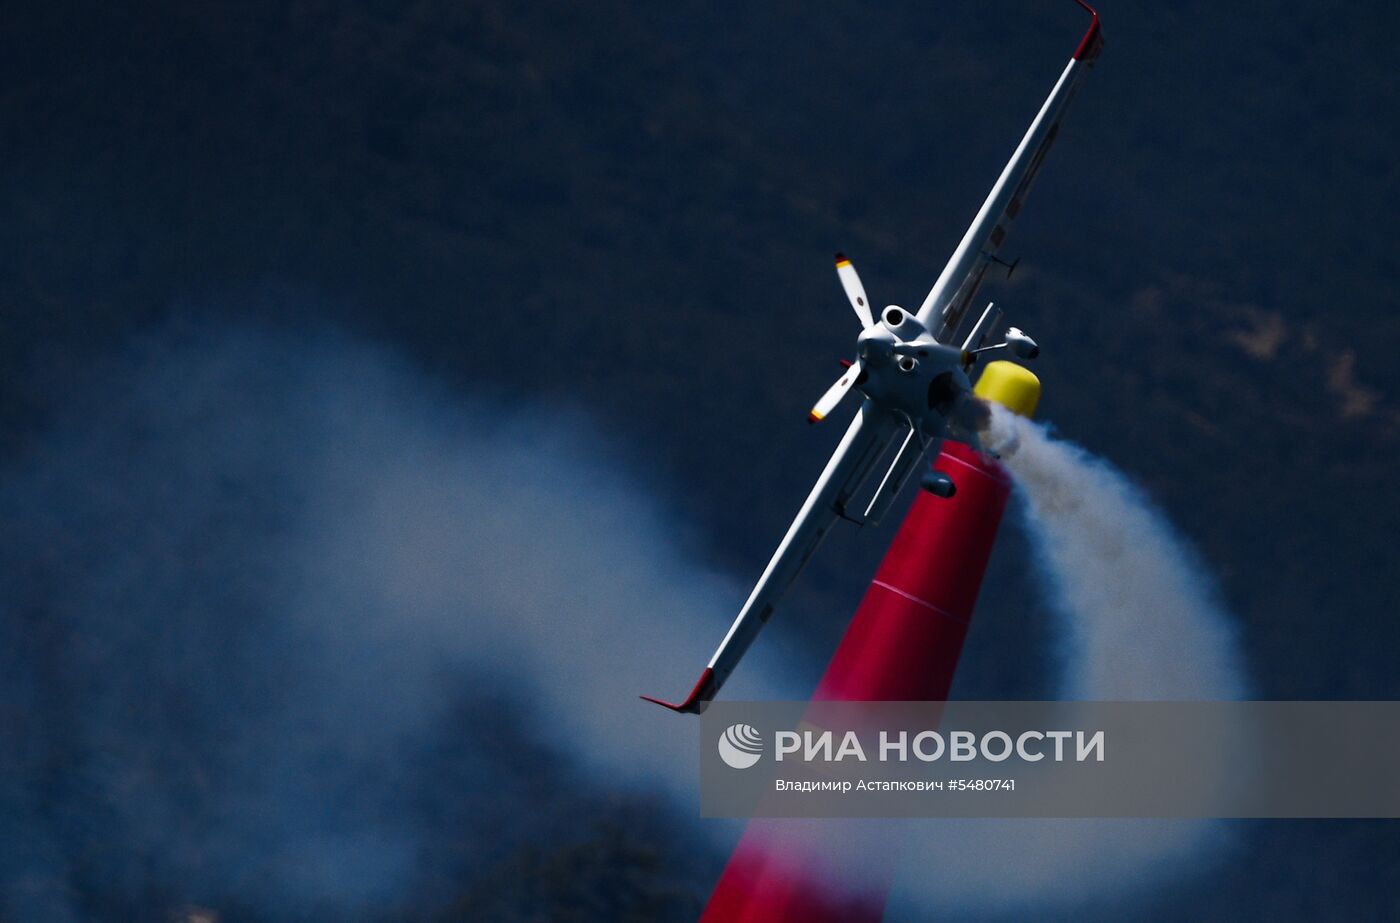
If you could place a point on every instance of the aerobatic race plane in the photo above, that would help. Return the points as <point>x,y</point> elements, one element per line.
<point>912,370</point>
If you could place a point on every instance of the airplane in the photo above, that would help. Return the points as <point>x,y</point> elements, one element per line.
<point>913,372</point>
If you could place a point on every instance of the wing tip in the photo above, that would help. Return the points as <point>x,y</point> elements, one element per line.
<point>1089,46</point>
<point>699,697</point>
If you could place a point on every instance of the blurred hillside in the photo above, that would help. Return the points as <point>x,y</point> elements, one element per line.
<point>632,210</point>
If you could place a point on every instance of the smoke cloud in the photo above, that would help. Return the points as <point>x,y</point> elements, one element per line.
<point>291,628</point>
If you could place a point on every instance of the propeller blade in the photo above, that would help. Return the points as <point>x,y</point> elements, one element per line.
<point>850,281</point>
<point>833,395</point>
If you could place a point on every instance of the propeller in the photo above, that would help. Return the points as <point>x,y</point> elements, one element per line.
<point>850,281</point>
<point>828,401</point>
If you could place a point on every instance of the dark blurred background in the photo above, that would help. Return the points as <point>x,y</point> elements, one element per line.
<point>632,209</point>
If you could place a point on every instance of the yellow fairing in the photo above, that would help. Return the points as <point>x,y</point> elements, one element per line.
<point>1014,387</point>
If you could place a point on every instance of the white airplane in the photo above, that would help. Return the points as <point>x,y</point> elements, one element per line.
<point>912,370</point>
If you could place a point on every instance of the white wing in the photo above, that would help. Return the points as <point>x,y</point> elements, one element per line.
<point>943,310</point>
<point>865,442</point>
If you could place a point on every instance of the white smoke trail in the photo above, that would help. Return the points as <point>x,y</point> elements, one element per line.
<point>1141,621</point>
<point>1140,616</point>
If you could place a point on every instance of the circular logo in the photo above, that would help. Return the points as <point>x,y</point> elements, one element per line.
<point>740,746</point>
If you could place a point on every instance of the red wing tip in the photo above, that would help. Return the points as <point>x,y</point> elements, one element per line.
<point>697,700</point>
<point>671,705</point>
<point>1091,43</point>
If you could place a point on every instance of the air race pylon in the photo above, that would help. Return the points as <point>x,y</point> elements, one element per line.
<point>902,645</point>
